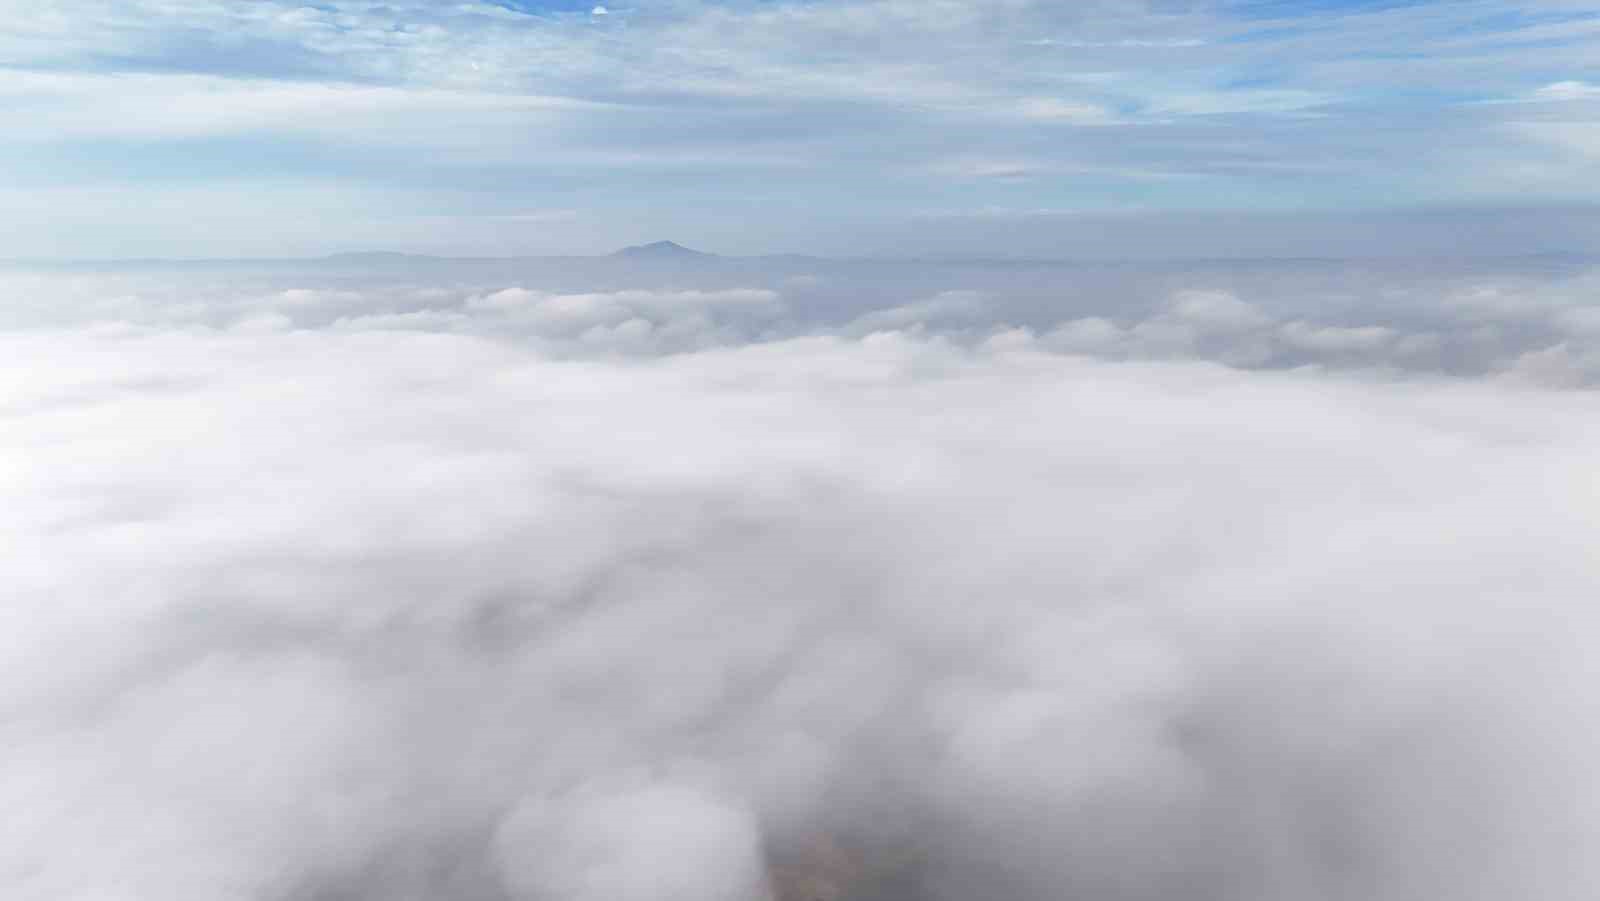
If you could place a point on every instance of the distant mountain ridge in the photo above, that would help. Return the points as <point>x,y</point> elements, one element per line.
<point>661,250</point>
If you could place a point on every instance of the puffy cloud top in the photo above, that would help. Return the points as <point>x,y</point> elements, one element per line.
<point>476,603</point>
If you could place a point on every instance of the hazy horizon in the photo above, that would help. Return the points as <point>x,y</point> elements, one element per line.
<point>161,128</point>
<point>1393,253</point>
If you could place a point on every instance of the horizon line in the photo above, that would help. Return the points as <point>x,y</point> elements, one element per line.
<point>685,254</point>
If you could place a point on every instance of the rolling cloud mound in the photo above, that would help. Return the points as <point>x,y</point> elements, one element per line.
<point>471,588</point>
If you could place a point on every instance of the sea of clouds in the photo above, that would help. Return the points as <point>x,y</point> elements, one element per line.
<point>409,581</point>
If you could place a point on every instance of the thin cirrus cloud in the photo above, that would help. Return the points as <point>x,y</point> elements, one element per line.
<point>794,105</point>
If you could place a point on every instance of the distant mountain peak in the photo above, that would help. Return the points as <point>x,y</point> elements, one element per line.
<point>660,250</point>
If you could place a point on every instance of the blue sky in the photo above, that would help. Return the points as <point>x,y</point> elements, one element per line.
<point>206,127</point>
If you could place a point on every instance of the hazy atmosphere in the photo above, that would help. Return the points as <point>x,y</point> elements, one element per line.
<point>139,128</point>
<point>1118,451</point>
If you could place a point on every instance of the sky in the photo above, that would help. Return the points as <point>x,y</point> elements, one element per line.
<point>842,127</point>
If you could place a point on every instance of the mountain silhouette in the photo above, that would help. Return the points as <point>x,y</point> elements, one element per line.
<point>661,250</point>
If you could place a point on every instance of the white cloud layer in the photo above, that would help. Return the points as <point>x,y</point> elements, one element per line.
<point>308,604</point>
<point>1436,317</point>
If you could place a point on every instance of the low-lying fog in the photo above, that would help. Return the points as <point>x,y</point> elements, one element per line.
<point>386,579</point>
